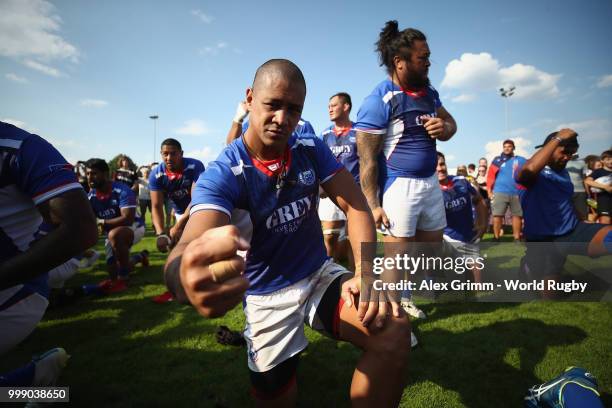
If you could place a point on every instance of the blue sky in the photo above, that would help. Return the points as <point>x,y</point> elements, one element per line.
<point>86,75</point>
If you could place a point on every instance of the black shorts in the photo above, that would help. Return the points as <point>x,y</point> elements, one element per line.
<point>549,257</point>
<point>604,204</point>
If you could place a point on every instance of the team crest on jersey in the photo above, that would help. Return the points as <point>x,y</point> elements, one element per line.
<point>306,178</point>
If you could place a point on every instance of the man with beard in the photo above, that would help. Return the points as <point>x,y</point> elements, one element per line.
<point>549,211</point>
<point>503,190</point>
<point>402,119</point>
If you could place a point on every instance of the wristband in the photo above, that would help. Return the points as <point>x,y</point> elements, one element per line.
<point>241,113</point>
<point>162,235</point>
<point>558,139</point>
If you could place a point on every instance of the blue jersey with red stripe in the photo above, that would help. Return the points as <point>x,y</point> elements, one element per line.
<point>287,240</point>
<point>108,206</point>
<point>303,128</point>
<point>176,185</point>
<point>344,146</point>
<point>397,116</point>
<point>548,208</point>
<point>458,205</point>
<point>32,172</point>
<point>505,168</point>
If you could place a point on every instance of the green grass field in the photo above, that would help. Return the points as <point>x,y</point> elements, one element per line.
<point>127,351</point>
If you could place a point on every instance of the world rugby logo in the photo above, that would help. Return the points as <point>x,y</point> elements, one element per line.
<point>306,178</point>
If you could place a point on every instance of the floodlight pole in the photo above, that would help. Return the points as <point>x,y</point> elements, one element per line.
<point>154,117</point>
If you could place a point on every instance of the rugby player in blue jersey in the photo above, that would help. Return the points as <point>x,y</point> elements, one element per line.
<point>340,137</point>
<point>402,119</point>
<point>172,180</point>
<point>549,211</point>
<point>114,205</point>
<point>462,230</point>
<point>274,176</point>
<point>37,186</point>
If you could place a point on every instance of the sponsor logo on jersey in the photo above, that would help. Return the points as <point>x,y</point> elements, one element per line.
<point>339,150</point>
<point>306,178</point>
<point>456,203</point>
<point>288,218</point>
<point>421,118</point>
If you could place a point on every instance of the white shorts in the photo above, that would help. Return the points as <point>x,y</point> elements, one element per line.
<point>275,322</point>
<point>138,230</point>
<point>465,249</point>
<point>328,211</point>
<point>20,319</point>
<point>414,204</point>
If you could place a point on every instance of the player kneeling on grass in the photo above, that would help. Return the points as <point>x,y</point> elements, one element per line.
<point>546,198</point>
<point>288,278</point>
<point>38,186</point>
<point>114,205</point>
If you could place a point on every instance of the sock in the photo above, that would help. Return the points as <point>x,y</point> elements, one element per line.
<point>110,260</point>
<point>91,289</point>
<point>21,377</point>
<point>136,258</point>
<point>123,272</point>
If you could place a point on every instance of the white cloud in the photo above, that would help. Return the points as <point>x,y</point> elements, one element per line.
<point>193,127</point>
<point>463,98</point>
<point>15,78</point>
<point>205,18</point>
<point>605,81</point>
<point>30,33</point>
<point>93,103</point>
<point>45,69</point>
<point>483,73</point>
<point>205,155</point>
<point>592,129</point>
<point>213,49</point>
<point>494,148</point>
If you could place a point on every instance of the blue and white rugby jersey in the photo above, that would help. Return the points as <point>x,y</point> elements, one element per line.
<point>458,205</point>
<point>177,186</point>
<point>287,241</point>
<point>303,128</point>
<point>397,116</point>
<point>108,206</point>
<point>548,208</point>
<point>344,146</point>
<point>32,171</point>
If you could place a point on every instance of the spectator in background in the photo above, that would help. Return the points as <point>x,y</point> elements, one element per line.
<point>576,169</point>
<point>144,195</point>
<point>124,174</point>
<point>503,190</point>
<point>483,162</point>
<point>471,168</point>
<point>462,170</point>
<point>481,180</point>
<point>600,182</point>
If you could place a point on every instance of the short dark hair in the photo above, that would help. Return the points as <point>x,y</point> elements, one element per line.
<point>509,141</point>
<point>440,154</point>
<point>346,98</point>
<point>97,164</point>
<point>172,142</point>
<point>472,166</point>
<point>607,153</point>
<point>279,66</point>
<point>392,42</point>
<point>590,160</point>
